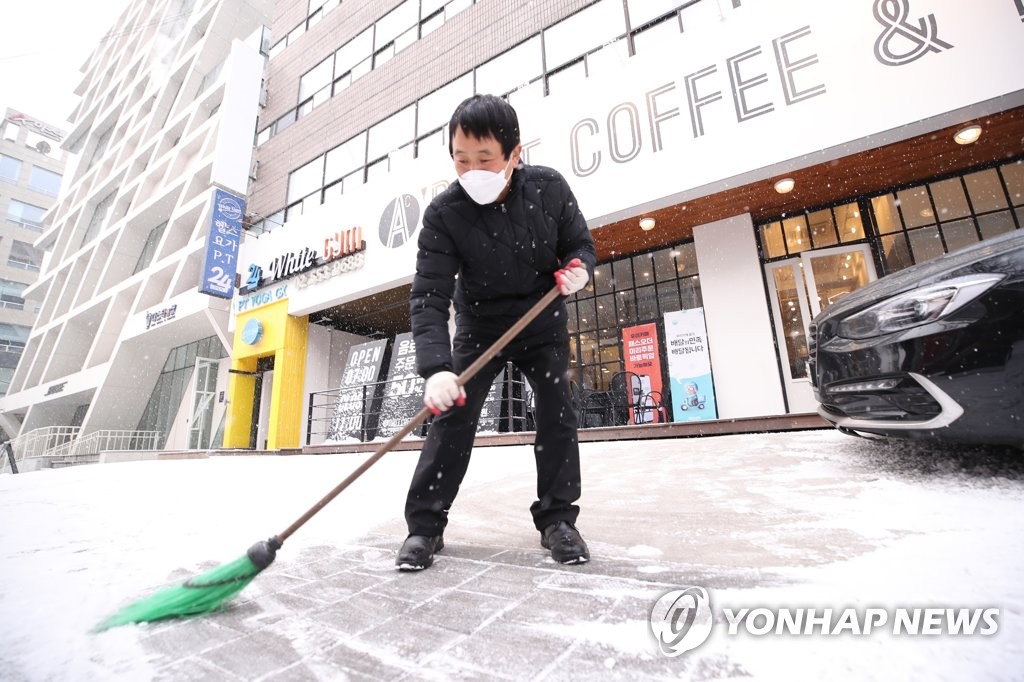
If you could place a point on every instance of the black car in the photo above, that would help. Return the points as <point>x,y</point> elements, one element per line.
<point>933,351</point>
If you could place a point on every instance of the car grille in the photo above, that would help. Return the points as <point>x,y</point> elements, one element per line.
<point>908,401</point>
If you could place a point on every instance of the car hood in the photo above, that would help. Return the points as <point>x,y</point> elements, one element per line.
<point>925,273</point>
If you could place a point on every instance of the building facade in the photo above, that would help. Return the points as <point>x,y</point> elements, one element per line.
<point>674,122</point>
<point>131,340</point>
<point>31,171</point>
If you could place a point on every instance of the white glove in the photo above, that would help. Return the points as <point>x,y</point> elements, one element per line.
<point>441,392</point>
<point>572,277</point>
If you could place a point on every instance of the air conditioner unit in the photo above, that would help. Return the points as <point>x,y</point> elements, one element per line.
<point>254,169</point>
<point>263,97</point>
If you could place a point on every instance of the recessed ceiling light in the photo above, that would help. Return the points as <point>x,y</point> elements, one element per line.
<point>647,224</point>
<point>785,185</point>
<point>968,135</point>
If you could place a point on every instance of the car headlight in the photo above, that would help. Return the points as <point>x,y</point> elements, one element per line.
<point>916,307</point>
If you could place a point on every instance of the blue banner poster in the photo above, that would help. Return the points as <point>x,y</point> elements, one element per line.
<point>222,242</point>
<point>689,366</point>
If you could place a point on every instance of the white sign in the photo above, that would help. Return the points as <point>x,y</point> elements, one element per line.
<point>689,366</point>
<point>775,80</point>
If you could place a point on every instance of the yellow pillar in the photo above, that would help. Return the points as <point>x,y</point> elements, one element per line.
<point>241,392</point>
<point>264,332</point>
<point>286,418</point>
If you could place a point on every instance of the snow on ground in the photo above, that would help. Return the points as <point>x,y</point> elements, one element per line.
<point>810,519</point>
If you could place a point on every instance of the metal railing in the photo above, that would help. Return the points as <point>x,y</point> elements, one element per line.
<point>378,410</point>
<point>66,441</point>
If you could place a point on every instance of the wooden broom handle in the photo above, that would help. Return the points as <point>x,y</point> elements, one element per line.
<point>423,414</point>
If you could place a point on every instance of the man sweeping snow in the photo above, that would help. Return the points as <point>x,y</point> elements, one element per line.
<point>494,243</point>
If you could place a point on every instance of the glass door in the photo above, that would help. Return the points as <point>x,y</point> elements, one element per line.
<point>799,289</point>
<point>202,404</point>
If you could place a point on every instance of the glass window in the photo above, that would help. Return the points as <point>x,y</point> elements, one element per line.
<point>887,217</point>
<point>435,110</point>
<point>25,256</point>
<point>99,215</point>
<point>643,269</point>
<point>45,181</point>
<point>316,78</point>
<point>588,314</point>
<point>25,215</point>
<point>589,28</point>
<point>456,6</point>
<point>13,334</point>
<point>11,294</point>
<point>654,37</point>
<point>772,242</point>
<point>823,229</point>
<point>959,233</point>
<point>795,229</point>
<point>432,24</point>
<point>377,169</point>
<point>689,289</point>
<point>925,243</point>
<point>305,180</point>
<point>569,78</point>
<point>986,191</point>
<point>392,133</point>
<point>664,266</point>
<point>950,200</point>
<point>570,320</point>
<point>686,259</point>
<point>626,307</point>
<point>603,283</point>
<point>396,22</point>
<point>606,311</point>
<point>995,224</point>
<point>508,71</point>
<point>345,158</point>
<point>1013,175</point>
<point>849,222</point>
<point>642,11</point>
<point>149,248</point>
<point>622,270</point>
<point>611,58</point>
<point>433,144</point>
<point>10,168</point>
<point>916,207</point>
<point>353,52</point>
<point>646,304</point>
<point>668,297</point>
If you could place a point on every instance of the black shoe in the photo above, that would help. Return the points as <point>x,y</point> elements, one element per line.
<point>565,543</point>
<point>417,552</point>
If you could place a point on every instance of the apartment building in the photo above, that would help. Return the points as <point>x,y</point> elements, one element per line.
<point>31,171</point>
<point>131,339</point>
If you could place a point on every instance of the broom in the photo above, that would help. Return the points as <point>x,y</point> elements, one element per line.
<point>204,593</point>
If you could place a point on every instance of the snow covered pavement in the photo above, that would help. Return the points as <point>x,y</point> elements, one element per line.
<point>843,533</point>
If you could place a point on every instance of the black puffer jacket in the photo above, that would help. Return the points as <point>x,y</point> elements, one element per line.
<point>505,255</point>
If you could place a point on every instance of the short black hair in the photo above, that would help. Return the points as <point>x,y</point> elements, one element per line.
<point>483,116</point>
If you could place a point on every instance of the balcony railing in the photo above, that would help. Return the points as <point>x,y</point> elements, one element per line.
<point>54,442</point>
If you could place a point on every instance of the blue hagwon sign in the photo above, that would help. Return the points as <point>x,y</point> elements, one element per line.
<point>222,242</point>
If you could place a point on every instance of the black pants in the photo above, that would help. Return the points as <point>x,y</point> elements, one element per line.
<point>543,356</point>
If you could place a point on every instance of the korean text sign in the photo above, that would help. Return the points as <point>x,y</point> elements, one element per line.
<point>222,245</point>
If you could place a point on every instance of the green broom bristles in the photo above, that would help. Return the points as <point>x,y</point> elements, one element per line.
<point>198,595</point>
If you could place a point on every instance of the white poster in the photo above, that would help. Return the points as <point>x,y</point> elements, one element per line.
<point>689,366</point>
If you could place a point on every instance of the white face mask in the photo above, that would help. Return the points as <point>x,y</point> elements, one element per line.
<point>484,186</point>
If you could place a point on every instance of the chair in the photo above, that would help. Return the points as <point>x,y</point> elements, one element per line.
<point>626,393</point>
<point>652,409</point>
<point>595,408</point>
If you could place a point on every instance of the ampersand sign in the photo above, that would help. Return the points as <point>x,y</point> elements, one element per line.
<point>920,39</point>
